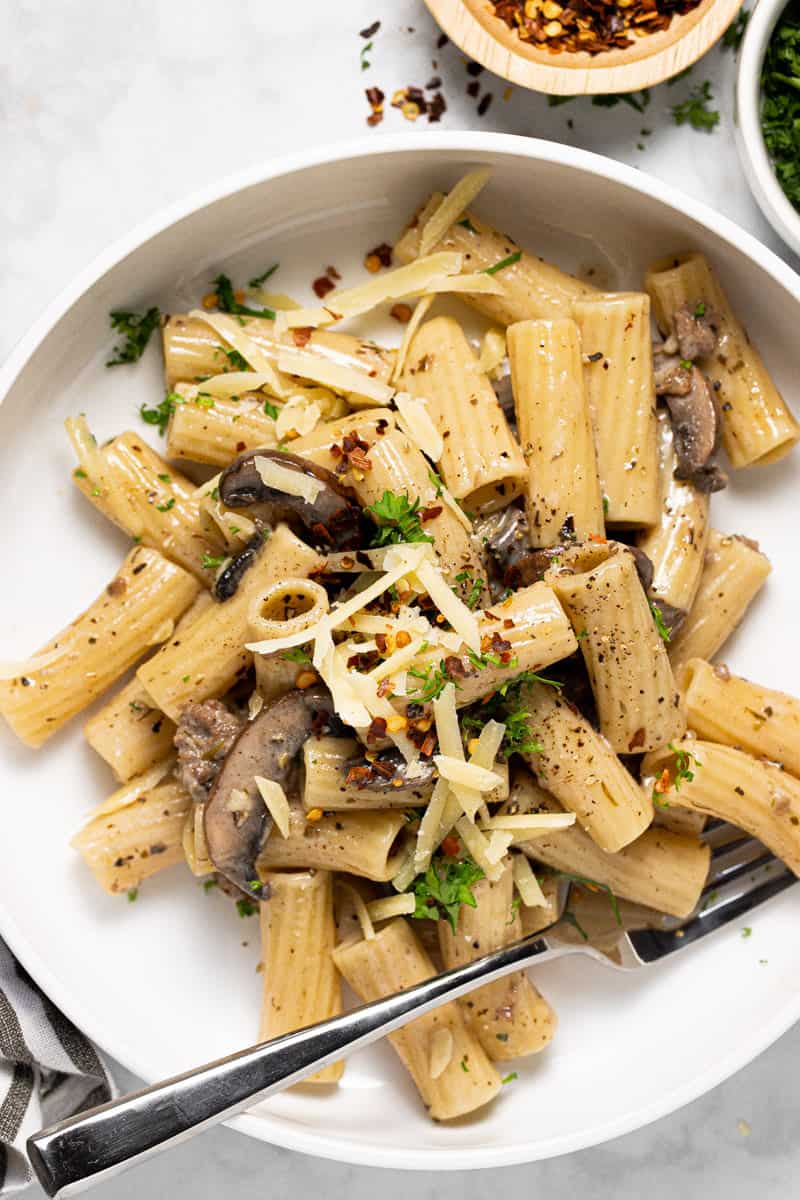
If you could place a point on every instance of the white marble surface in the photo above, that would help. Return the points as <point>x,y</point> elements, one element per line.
<point>107,113</point>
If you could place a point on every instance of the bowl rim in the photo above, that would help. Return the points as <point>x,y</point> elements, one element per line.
<point>277,1130</point>
<point>487,39</point>
<point>758,169</point>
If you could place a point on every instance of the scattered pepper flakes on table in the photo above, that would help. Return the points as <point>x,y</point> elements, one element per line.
<point>590,25</point>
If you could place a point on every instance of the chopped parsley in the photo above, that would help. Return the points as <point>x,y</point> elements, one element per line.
<point>747,931</point>
<point>161,414</point>
<point>398,520</point>
<point>695,111</point>
<point>165,478</point>
<point>434,681</point>
<point>639,101</point>
<point>594,886</point>
<point>271,410</point>
<point>504,262</point>
<point>209,885</point>
<point>605,506</point>
<point>732,37</point>
<point>780,107</point>
<point>365,65</point>
<point>437,481</point>
<point>684,761</point>
<point>133,894</point>
<point>509,1078</point>
<point>472,588</point>
<point>506,706</point>
<point>296,655</point>
<point>246,908</point>
<point>467,224</point>
<point>167,505</point>
<point>227,302</point>
<point>135,329</point>
<point>445,886</point>
<point>663,632</point>
<point>79,473</point>
<point>264,276</point>
<point>204,400</point>
<point>237,361</point>
<point>572,920</point>
<point>211,562</point>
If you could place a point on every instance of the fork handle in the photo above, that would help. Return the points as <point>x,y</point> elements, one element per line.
<point>77,1153</point>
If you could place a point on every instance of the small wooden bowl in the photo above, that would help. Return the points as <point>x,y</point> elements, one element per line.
<point>475,29</point>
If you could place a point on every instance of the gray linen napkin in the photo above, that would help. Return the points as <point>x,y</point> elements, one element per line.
<point>48,1069</point>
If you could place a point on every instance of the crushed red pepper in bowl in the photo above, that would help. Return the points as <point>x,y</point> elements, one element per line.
<point>590,25</point>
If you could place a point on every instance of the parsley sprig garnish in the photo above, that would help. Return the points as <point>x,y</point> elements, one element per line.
<point>136,329</point>
<point>685,762</point>
<point>434,680</point>
<point>663,631</point>
<point>162,412</point>
<point>445,886</point>
<point>780,112</point>
<point>732,37</point>
<point>398,520</point>
<point>504,262</point>
<point>264,276</point>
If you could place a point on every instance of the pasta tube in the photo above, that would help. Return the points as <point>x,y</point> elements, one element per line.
<point>220,432</point>
<point>153,503</point>
<point>758,426</point>
<point>130,732</point>
<point>578,766</point>
<point>398,465</point>
<point>369,844</point>
<point>285,607</point>
<point>136,834</point>
<point>757,796</point>
<point>193,350</point>
<point>207,659</point>
<point>508,1017</point>
<point>676,546</point>
<point>298,936</point>
<point>726,708</point>
<point>532,288</point>
<point>734,571</point>
<point>663,870</point>
<point>562,496</point>
<point>638,704</point>
<point>137,609</point>
<point>446,1061</point>
<point>481,462</point>
<point>615,335</point>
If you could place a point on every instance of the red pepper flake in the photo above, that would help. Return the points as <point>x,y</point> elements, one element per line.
<point>358,776</point>
<point>322,286</point>
<point>595,537</point>
<point>430,514</point>
<point>382,426</point>
<point>442,41</point>
<point>473,88</point>
<point>637,740</point>
<point>454,667</point>
<point>385,687</point>
<point>240,446</point>
<point>321,532</point>
<point>370,31</point>
<point>381,642</point>
<point>336,451</point>
<point>359,460</point>
<point>375,99</point>
<point>474,68</point>
<point>436,107</point>
<point>377,730</point>
<point>378,256</point>
<point>428,746</point>
<point>302,336</point>
<point>332,273</point>
<point>432,84</point>
<point>508,623</point>
<point>401,313</point>
<point>589,25</point>
<point>483,107</point>
<point>451,846</point>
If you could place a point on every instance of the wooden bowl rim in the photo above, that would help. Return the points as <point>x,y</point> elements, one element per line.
<point>474,28</point>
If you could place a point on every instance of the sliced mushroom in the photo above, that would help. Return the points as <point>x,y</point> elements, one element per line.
<point>696,426</point>
<point>332,521</point>
<point>670,376</point>
<point>505,536</point>
<point>237,821</point>
<point>230,576</point>
<point>672,617</point>
<point>644,566</point>
<point>696,332</point>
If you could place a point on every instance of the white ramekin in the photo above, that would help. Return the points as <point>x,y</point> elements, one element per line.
<point>780,213</point>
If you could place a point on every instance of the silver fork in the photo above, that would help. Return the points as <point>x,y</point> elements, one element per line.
<point>79,1152</point>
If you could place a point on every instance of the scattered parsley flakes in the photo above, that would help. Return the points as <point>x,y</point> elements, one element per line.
<point>79,473</point>
<point>445,886</point>
<point>264,276</point>
<point>694,109</point>
<point>211,562</point>
<point>639,100</point>
<point>504,262</point>
<point>398,520</point>
<point>464,1066</point>
<point>732,37</point>
<point>271,410</point>
<point>437,481</point>
<point>509,1078</point>
<point>467,224</point>
<point>434,681</point>
<point>209,885</point>
<point>227,302</point>
<point>246,908</point>
<point>365,65</point>
<point>136,329</point>
<point>472,588</point>
<point>133,894</point>
<point>166,506</point>
<point>747,931</point>
<point>658,617</point>
<point>605,503</point>
<point>161,414</point>
<point>296,655</point>
<point>237,361</point>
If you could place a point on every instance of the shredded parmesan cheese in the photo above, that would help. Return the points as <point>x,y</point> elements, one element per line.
<point>234,332</point>
<point>493,350</point>
<point>416,422</point>
<point>337,376</point>
<point>164,631</point>
<point>450,501</point>
<point>130,793</point>
<point>532,823</point>
<point>527,884</point>
<point>397,661</point>
<point>451,208</point>
<point>298,417</point>
<point>235,383</point>
<point>441,1052</point>
<point>480,849</point>
<point>473,282</point>
<point>285,479</point>
<point>449,605</point>
<point>417,317</point>
<point>360,909</point>
<point>391,906</point>
<point>429,829</point>
<point>92,460</point>
<point>274,797</point>
<point>469,774</point>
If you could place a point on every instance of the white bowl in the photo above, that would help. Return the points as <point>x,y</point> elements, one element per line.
<point>166,983</point>
<point>758,169</point>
